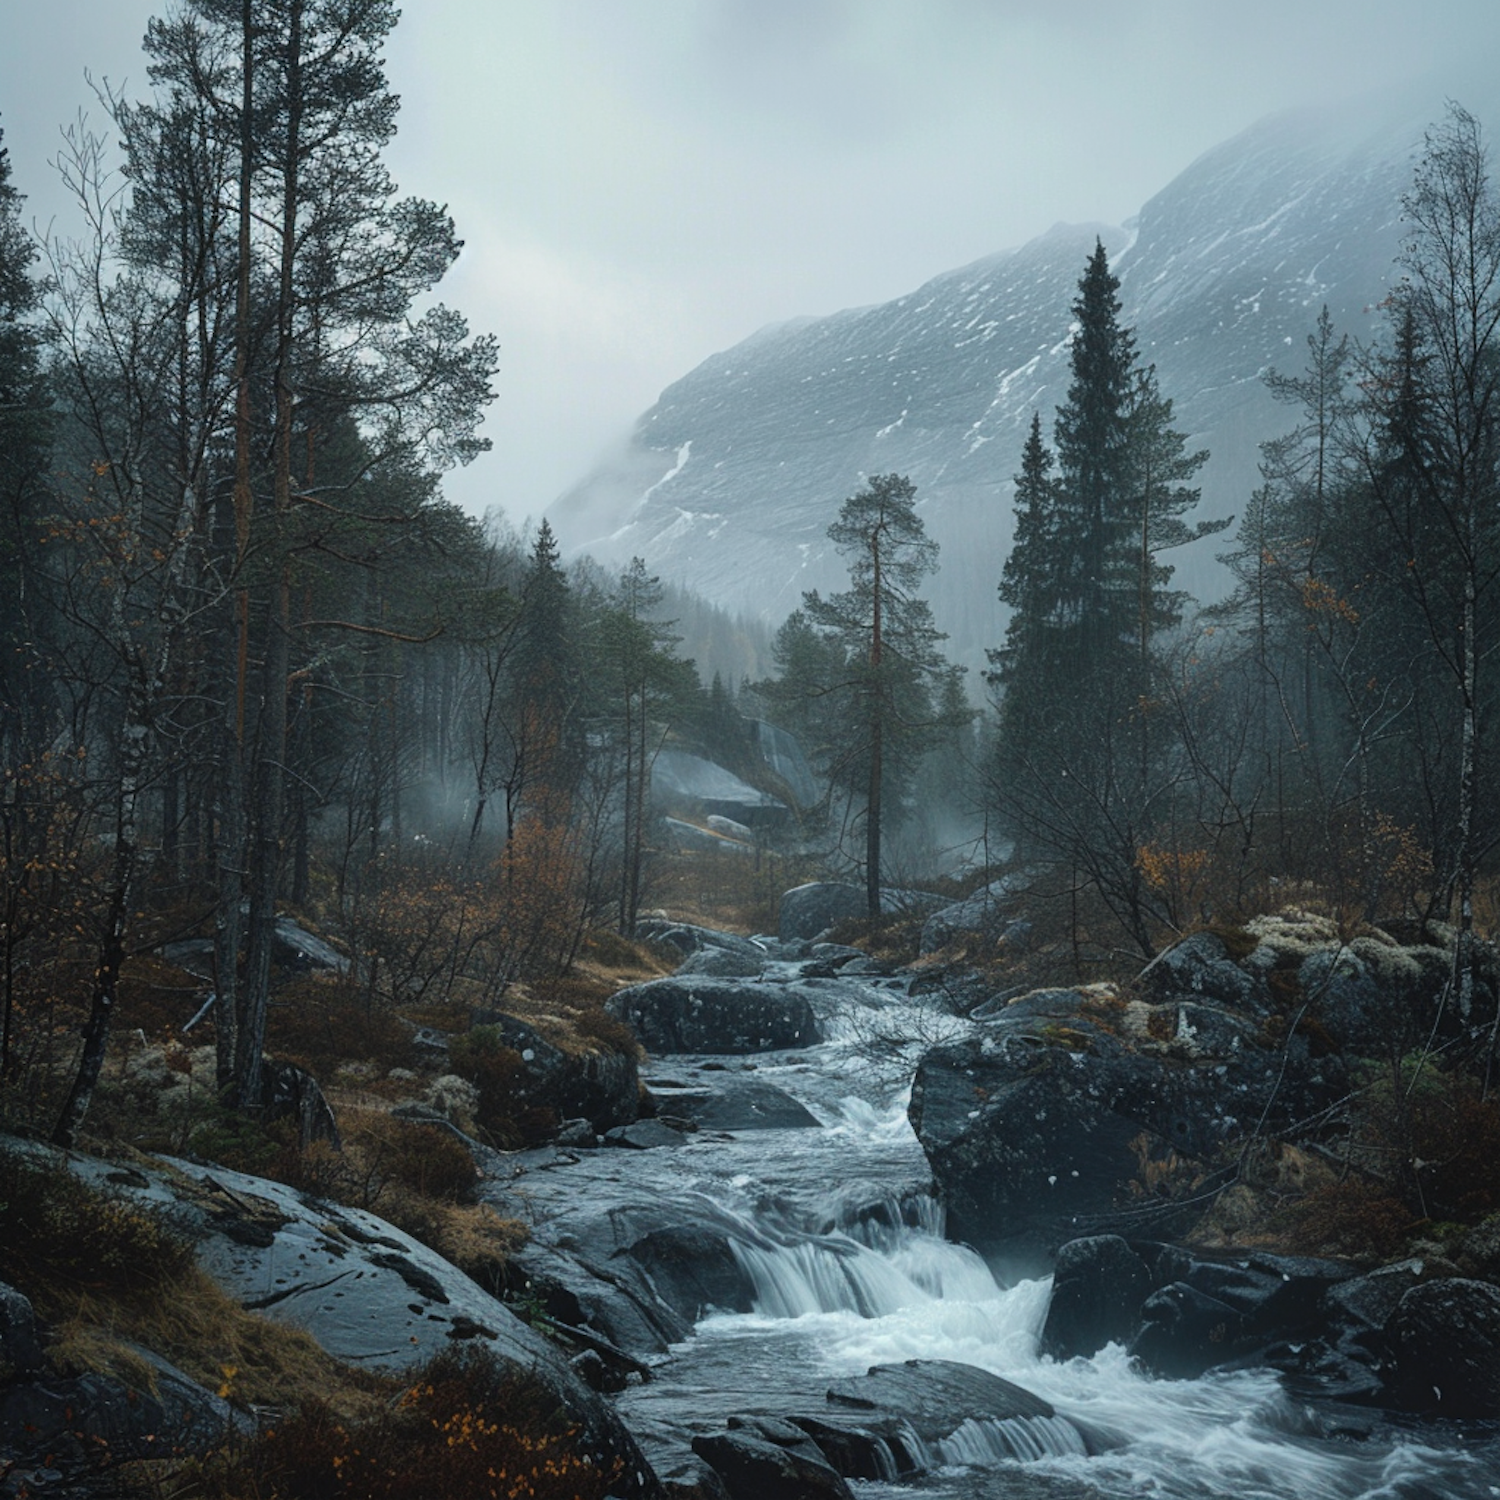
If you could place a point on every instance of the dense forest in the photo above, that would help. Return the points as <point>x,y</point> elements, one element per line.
<point>254,662</point>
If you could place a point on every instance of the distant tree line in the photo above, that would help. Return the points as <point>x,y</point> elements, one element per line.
<point>1330,722</point>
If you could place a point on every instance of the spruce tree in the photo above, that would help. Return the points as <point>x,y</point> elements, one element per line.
<point>1093,435</point>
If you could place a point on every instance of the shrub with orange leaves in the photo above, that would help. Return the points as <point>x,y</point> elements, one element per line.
<point>465,1430</point>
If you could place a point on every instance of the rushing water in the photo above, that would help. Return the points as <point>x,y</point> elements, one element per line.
<point>851,1269</point>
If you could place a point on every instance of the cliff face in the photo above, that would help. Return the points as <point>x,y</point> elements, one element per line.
<point>731,479</point>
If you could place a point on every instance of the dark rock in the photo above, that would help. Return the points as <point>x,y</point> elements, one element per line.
<point>754,1468</point>
<point>644,1135</point>
<point>693,1270</point>
<point>985,914</point>
<point>882,1448</point>
<point>601,1087</point>
<point>92,1422</point>
<point>577,1134</point>
<point>685,1476</point>
<point>20,1348</point>
<point>1444,1338</point>
<point>592,1369</point>
<point>835,954</point>
<point>1367,1302</point>
<point>688,939</point>
<point>723,963</point>
<point>1199,968</point>
<point>741,1104</point>
<point>1098,1288</point>
<point>937,1396</point>
<point>716,1015</point>
<point>807,910</point>
<point>1055,1123</point>
<point>1186,1332</point>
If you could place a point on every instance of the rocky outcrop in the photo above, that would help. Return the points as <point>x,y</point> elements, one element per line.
<point>692,1014</point>
<point>1067,1111</point>
<point>601,1086</point>
<point>367,1292</point>
<point>1079,1111</point>
<point>809,910</point>
<point>990,913</point>
<point>1404,1337</point>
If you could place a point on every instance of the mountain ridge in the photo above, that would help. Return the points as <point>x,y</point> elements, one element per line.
<point>729,481</point>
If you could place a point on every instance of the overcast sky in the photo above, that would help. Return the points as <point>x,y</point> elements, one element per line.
<point>643,182</point>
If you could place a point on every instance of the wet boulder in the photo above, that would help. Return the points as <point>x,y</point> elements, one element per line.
<point>601,1086</point>
<point>1444,1341</point>
<point>960,1414</point>
<point>1098,1287</point>
<point>736,1103</point>
<point>987,914</point>
<point>691,1014</point>
<point>1073,1111</point>
<point>752,1466</point>
<point>808,910</point>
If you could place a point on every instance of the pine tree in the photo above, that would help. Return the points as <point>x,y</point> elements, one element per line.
<point>1092,435</point>
<point>889,649</point>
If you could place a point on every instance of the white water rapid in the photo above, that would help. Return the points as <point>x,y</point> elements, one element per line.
<point>840,1287</point>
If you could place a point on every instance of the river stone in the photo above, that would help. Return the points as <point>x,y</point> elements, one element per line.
<point>716,1016</point>
<point>754,1468</point>
<point>644,1135</point>
<point>1444,1337</point>
<point>937,1396</point>
<point>737,1104</point>
<point>1098,1287</point>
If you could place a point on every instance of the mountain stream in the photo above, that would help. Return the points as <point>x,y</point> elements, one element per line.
<point>844,1243</point>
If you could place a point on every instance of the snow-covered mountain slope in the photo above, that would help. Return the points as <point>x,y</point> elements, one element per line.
<point>731,480</point>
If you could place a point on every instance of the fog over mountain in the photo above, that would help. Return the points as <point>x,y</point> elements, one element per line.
<point>730,481</point>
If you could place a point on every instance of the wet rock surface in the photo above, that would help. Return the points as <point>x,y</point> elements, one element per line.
<point>367,1292</point>
<point>703,1015</point>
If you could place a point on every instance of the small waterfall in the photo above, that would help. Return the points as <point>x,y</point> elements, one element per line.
<point>995,1439</point>
<point>878,1266</point>
<point>828,1274</point>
